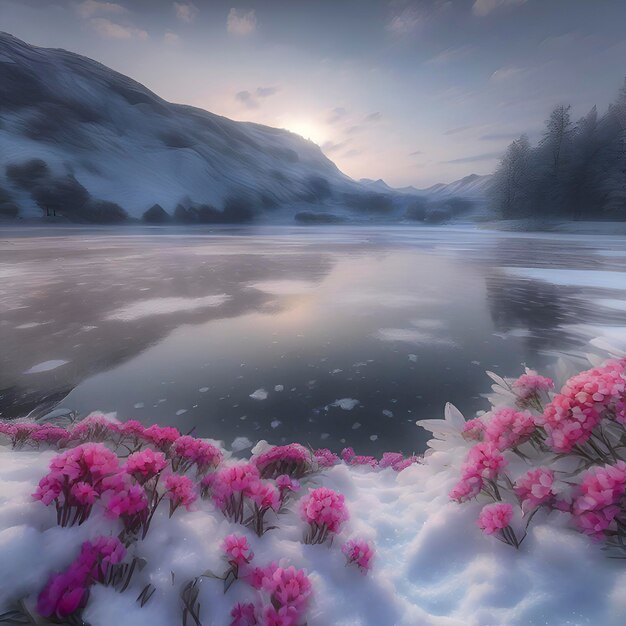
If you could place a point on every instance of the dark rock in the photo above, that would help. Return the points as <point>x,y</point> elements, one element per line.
<point>156,214</point>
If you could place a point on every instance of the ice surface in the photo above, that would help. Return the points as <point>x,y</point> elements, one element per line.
<point>573,277</point>
<point>165,306</point>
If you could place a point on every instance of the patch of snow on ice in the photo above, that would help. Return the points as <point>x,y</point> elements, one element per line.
<point>240,443</point>
<point>347,404</point>
<point>259,394</point>
<point>46,366</point>
<point>284,287</point>
<point>412,335</point>
<point>275,423</point>
<point>165,306</point>
<point>279,387</point>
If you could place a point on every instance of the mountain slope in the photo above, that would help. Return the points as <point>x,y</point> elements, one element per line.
<point>68,123</point>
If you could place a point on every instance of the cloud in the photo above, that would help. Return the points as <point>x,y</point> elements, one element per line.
<point>241,22</point>
<point>90,8</point>
<point>416,153</point>
<point>485,7</point>
<point>487,156</point>
<point>354,129</point>
<point>337,114</point>
<point>110,30</point>
<point>250,100</point>
<point>266,92</point>
<point>170,37</point>
<point>247,99</point>
<point>352,153</point>
<point>373,117</point>
<point>185,11</point>
<point>507,73</point>
<point>405,22</point>
<point>456,131</point>
<point>449,55</point>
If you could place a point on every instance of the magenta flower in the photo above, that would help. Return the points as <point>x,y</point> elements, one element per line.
<point>237,550</point>
<point>495,517</point>
<point>325,512</point>
<point>181,492</point>
<point>358,552</point>
<point>292,459</point>
<point>289,591</point>
<point>243,615</point>
<point>94,428</point>
<point>187,451</point>
<point>529,388</point>
<point>325,458</point>
<point>161,436</point>
<point>145,464</point>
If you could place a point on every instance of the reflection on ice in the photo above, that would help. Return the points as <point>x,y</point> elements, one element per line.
<point>164,306</point>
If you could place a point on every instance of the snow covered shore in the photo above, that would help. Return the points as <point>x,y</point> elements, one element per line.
<point>432,564</point>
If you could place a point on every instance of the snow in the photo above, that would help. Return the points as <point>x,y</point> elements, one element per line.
<point>432,566</point>
<point>240,443</point>
<point>571,277</point>
<point>619,305</point>
<point>164,306</point>
<point>412,335</point>
<point>46,366</point>
<point>259,394</point>
<point>347,404</point>
<point>284,287</point>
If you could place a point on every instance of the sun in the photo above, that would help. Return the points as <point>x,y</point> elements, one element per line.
<point>307,129</point>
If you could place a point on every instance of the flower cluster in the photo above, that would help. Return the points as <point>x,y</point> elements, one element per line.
<point>584,400</point>
<point>161,437</point>
<point>530,387</point>
<point>293,460</point>
<point>145,465</point>
<point>325,458</point>
<point>483,462</point>
<point>22,433</point>
<point>599,503</point>
<point>77,478</point>
<point>242,496</point>
<point>358,552</point>
<point>237,550</point>
<point>187,451</point>
<point>181,491</point>
<point>287,592</point>
<point>508,428</point>
<point>325,512</point>
<point>495,517</point>
<point>67,592</point>
<point>535,488</point>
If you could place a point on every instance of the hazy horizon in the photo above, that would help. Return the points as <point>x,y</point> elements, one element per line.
<point>415,93</point>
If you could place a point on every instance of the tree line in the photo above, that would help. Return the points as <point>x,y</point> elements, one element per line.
<point>577,170</point>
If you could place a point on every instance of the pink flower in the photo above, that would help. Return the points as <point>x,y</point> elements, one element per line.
<point>243,615</point>
<point>359,459</point>
<point>289,589</point>
<point>509,428</point>
<point>358,552</point>
<point>284,616</point>
<point>530,386</point>
<point>94,428</point>
<point>495,517</point>
<point>598,501</point>
<point>391,459</point>
<point>264,495</point>
<point>129,502</point>
<point>49,489</point>
<point>325,458</point>
<point>83,493</point>
<point>325,511</point>
<point>145,464</point>
<point>237,550</point>
<point>582,403</point>
<point>535,488</point>
<point>293,459</point>
<point>474,429</point>
<point>180,490</point>
<point>402,465</point>
<point>286,484</point>
<point>50,434</point>
<point>187,450</point>
<point>161,436</point>
<point>483,460</point>
<point>467,488</point>
<point>347,454</point>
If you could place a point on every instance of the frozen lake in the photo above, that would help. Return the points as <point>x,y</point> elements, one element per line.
<point>327,336</point>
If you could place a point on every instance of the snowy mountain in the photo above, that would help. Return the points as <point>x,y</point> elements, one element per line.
<point>472,187</point>
<point>80,140</point>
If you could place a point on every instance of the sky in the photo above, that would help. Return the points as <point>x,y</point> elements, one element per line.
<point>415,92</point>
